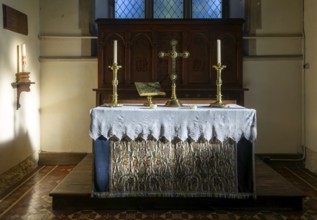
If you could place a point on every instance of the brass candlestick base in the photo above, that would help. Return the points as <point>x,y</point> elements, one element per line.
<point>173,103</point>
<point>114,102</point>
<point>218,103</point>
<point>112,105</point>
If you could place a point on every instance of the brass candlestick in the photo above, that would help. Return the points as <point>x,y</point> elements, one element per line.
<point>173,54</point>
<point>218,102</point>
<point>114,102</point>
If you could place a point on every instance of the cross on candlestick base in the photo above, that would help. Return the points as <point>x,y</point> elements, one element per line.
<point>173,102</point>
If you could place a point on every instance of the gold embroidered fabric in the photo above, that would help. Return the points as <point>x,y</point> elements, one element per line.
<point>176,169</point>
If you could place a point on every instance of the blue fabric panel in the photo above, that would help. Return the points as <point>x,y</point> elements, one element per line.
<point>245,166</point>
<point>101,164</point>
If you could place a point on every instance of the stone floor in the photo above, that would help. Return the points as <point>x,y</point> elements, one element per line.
<point>31,200</point>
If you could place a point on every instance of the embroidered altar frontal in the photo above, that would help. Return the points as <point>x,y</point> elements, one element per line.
<point>142,168</point>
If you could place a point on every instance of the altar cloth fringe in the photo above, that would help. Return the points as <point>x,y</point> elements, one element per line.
<point>136,121</point>
<point>172,194</point>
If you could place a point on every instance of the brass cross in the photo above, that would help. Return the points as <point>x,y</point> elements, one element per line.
<point>173,102</point>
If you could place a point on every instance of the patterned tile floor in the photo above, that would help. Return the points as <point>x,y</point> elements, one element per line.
<point>31,201</point>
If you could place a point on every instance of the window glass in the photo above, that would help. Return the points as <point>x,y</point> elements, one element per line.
<point>129,9</point>
<point>168,9</point>
<point>206,8</point>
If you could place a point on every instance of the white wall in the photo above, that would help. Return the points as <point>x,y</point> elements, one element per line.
<point>66,86</point>
<point>274,77</point>
<point>67,97</point>
<point>19,129</point>
<point>275,92</point>
<point>310,83</point>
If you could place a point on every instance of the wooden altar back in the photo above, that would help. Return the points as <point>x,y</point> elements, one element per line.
<point>140,41</point>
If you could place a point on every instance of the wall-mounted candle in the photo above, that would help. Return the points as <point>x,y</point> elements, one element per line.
<point>218,51</point>
<point>23,58</point>
<point>18,58</point>
<point>114,51</point>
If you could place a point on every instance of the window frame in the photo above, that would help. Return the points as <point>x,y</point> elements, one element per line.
<point>187,10</point>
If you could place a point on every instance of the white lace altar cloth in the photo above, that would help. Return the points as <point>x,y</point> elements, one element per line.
<point>137,121</point>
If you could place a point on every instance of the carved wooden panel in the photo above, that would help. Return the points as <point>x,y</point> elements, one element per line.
<point>140,41</point>
<point>15,20</point>
<point>199,65</point>
<point>141,58</point>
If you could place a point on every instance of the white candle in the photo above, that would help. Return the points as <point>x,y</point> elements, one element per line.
<point>218,51</point>
<point>114,51</point>
<point>23,57</point>
<point>18,58</point>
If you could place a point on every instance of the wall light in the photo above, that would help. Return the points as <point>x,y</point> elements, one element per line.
<point>22,82</point>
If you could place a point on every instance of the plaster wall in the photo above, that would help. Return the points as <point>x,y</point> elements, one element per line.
<point>19,129</point>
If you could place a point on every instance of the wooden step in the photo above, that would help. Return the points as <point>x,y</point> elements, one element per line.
<point>273,192</point>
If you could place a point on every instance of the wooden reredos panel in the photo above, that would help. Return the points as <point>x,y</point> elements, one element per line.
<point>140,41</point>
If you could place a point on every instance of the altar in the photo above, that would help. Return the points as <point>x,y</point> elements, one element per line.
<point>173,152</point>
